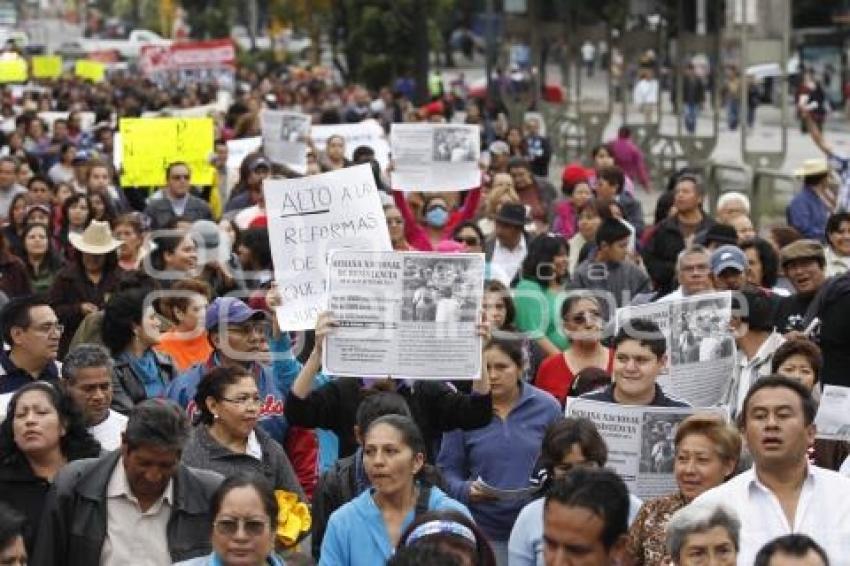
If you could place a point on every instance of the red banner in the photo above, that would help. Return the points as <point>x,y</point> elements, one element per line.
<point>212,54</point>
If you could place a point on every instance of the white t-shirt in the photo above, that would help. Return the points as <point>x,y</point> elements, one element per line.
<point>108,432</point>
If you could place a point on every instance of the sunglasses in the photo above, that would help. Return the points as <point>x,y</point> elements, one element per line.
<point>585,318</point>
<point>252,527</point>
<point>469,241</point>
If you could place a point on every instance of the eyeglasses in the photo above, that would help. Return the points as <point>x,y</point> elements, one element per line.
<point>469,241</point>
<point>244,401</point>
<point>584,317</point>
<point>260,327</point>
<point>252,527</point>
<point>180,177</point>
<point>49,327</point>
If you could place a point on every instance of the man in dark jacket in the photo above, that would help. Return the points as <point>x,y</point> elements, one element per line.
<point>137,505</point>
<point>176,200</point>
<point>675,233</point>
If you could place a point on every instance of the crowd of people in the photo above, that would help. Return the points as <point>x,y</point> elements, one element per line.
<point>153,411</point>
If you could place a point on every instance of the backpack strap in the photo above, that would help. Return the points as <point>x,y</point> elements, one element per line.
<point>422,500</point>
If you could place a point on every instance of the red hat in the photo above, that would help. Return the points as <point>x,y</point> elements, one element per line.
<point>261,221</point>
<point>574,173</point>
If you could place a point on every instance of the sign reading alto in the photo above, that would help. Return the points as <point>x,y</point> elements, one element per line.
<point>311,216</point>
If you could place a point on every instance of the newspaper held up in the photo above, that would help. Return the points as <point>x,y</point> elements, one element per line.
<point>309,217</point>
<point>640,441</point>
<point>833,417</point>
<point>700,346</point>
<point>406,315</point>
<point>368,132</point>
<point>285,137</point>
<point>435,157</point>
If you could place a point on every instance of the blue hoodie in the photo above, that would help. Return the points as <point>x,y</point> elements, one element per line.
<point>357,535</point>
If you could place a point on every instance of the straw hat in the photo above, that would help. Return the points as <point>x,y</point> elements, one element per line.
<point>812,167</point>
<point>96,239</point>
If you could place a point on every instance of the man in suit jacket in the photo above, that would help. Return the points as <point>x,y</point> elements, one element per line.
<point>176,201</point>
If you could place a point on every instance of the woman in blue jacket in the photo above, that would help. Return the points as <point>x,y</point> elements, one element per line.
<point>364,531</point>
<point>503,453</point>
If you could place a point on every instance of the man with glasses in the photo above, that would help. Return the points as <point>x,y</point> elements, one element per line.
<point>693,271</point>
<point>32,331</point>
<point>138,505</point>
<point>175,199</point>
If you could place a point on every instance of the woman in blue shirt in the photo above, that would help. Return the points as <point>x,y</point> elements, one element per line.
<point>364,531</point>
<point>503,453</point>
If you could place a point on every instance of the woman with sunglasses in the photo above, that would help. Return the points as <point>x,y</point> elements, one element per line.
<point>395,226</point>
<point>245,513</point>
<point>469,234</point>
<point>227,439</point>
<point>581,314</point>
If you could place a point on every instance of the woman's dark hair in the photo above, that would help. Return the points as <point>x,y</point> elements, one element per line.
<point>597,148</point>
<point>663,205</point>
<point>213,384</point>
<point>51,259</point>
<point>768,258</point>
<point>257,240</point>
<point>612,175</point>
<point>537,265</point>
<point>122,312</point>
<point>511,348</point>
<point>798,346</point>
<point>66,206</point>
<point>109,213</point>
<point>263,489</point>
<point>376,404</point>
<point>425,554</point>
<point>560,437</point>
<point>76,444</point>
<point>11,525</point>
<point>496,286</point>
<point>10,213</point>
<point>479,551</point>
<point>471,225</point>
<point>589,379</point>
<point>237,233</point>
<point>410,433</point>
<point>833,223</point>
<point>784,235</point>
<point>166,243</point>
<point>41,179</point>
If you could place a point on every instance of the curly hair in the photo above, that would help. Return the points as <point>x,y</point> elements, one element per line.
<point>77,443</point>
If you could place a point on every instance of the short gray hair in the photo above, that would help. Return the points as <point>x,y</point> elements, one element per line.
<point>729,196</point>
<point>698,518</point>
<point>693,249</point>
<point>85,356</point>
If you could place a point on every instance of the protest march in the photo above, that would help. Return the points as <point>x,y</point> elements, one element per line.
<point>262,315</point>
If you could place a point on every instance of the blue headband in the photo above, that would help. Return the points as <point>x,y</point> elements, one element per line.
<point>441,527</point>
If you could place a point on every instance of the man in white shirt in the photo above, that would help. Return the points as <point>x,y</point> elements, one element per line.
<point>507,250</point>
<point>693,271</point>
<point>87,377</point>
<point>782,493</point>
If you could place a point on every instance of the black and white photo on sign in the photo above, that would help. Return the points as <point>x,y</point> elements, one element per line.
<point>658,442</point>
<point>293,129</point>
<point>454,145</point>
<point>700,332</point>
<point>438,290</point>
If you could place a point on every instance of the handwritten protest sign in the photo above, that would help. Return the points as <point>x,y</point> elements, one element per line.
<point>46,66</point>
<point>408,315</point>
<point>285,136</point>
<point>150,144</point>
<point>13,71</point>
<point>640,440</point>
<point>91,70</point>
<point>435,157</point>
<point>310,216</point>
<point>368,132</point>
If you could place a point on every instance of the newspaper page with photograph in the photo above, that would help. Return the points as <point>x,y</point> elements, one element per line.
<point>700,346</point>
<point>285,137</point>
<point>833,417</point>
<point>641,447</point>
<point>368,132</point>
<point>435,157</point>
<point>310,216</point>
<point>406,315</point>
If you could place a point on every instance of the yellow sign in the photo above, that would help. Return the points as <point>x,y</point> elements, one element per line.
<point>91,70</point>
<point>13,71</point>
<point>150,144</point>
<point>46,66</point>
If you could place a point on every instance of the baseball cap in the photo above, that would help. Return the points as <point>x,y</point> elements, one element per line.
<point>727,256</point>
<point>499,147</point>
<point>227,310</point>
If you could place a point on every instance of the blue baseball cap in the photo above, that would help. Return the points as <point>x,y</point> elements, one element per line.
<point>230,310</point>
<point>726,257</point>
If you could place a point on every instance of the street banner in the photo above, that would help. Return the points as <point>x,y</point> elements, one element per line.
<point>190,62</point>
<point>46,66</point>
<point>285,138</point>
<point>435,157</point>
<point>640,440</point>
<point>307,218</point>
<point>406,315</point>
<point>368,132</point>
<point>700,347</point>
<point>833,417</point>
<point>150,144</point>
